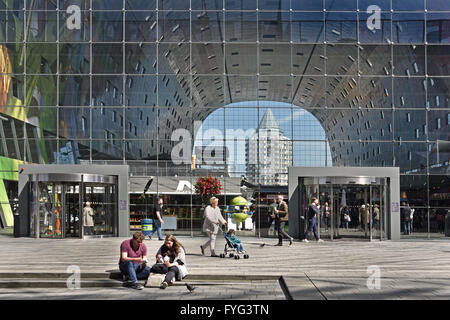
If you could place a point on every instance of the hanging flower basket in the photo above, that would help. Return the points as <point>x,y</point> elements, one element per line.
<point>207,187</point>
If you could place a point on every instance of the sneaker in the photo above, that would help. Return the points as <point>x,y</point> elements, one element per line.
<point>137,286</point>
<point>290,241</point>
<point>203,250</point>
<point>320,240</point>
<point>305,240</point>
<point>164,285</point>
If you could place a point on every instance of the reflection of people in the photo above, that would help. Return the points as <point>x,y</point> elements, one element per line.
<point>88,216</point>
<point>281,217</point>
<point>271,213</point>
<point>157,218</point>
<point>365,218</point>
<point>376,217</point>
<point>312,215</point>
<point>212,218</point>
<point>406,215</point>
<point>326,215</point>
<point>133,260</point>
<point>346,217</point>
<point>173,255</point>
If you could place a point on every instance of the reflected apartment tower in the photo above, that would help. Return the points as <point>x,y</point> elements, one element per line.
<point>268,160</point>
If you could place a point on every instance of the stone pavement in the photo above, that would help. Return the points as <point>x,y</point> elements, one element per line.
<point>409,269</point>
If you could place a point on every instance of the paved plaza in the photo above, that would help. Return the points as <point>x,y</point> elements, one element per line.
<point>340,269</point>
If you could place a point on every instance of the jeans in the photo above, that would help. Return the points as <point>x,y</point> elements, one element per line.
<point>312,225</point>
<point>327,222</point>
<point>157,226</point>
<point>239,247</point>
<point>171,274</point>
<point>407,227</point>
<point>134,271</point>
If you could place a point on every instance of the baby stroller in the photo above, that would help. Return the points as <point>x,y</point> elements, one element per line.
<point>230,250</point>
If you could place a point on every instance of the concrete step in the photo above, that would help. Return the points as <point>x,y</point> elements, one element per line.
<point>115,275</point>
<point>95,283</point>
<point>114,279</point>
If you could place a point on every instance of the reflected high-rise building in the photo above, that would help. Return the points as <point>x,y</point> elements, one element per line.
<point>269,153</point>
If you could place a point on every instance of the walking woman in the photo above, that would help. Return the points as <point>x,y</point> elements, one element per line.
<point>212,217</point>
<point>173,255</point>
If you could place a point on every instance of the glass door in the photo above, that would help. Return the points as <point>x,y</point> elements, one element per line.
<point>103,199</point>
<point>325,221</point>
<point>49,210</point>
<point>72,221</point>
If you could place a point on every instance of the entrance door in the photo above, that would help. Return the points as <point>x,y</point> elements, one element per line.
<point>71,213</point>
<point>50,210</point>
<point>57,202</point>
<point>350,207</point>
<point>103,198</point>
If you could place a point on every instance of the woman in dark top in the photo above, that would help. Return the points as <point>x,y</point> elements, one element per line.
<point>173,255</point>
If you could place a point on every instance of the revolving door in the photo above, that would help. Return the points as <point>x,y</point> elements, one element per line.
<point>350,207</point>
<point>59,205</point>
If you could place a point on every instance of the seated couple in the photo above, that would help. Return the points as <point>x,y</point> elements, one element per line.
<point>170,260</point>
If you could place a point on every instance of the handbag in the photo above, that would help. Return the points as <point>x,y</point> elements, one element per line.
<point>182,268</point>
<point>159,268</point>
<point>155,280</point>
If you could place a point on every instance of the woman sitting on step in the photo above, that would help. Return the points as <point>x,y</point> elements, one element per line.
<point>173,256</point>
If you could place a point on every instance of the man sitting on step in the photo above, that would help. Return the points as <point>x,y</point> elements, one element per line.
<point>133,260</point>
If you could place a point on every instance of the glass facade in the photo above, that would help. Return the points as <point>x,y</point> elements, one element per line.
<point>349,83</point>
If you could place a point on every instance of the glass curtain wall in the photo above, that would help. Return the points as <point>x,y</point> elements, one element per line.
<point>121,81</point>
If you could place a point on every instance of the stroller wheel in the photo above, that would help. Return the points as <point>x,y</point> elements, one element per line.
<point>222,255</point>
<point>231,255</point>
<point>236,257</point>
<point>246,256</point>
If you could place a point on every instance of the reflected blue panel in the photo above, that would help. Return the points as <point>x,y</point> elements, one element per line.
<point>307,5</point>
<point>273,5</point>
<point>371,33</point>
<point>438,5</point>
<point>438,27</point>
<point>140,5</point>
<point>107,4</point>
<point>384,5</point>
<point>307,27</point>
<point>342,5</point>
<point>408,27</point>
<point>140,26</point>
<point>341,27</point>
<point>107,26</point>
<point>240,4</point>
<point>206,4</point>
<point>410,5</point>
<point>173,5</point>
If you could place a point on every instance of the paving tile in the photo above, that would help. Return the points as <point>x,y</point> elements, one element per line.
<point>334,269</point>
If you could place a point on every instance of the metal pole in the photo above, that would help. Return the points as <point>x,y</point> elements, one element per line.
<point>370,212</point>
<point>332,212</point>
<point>319,217</point>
